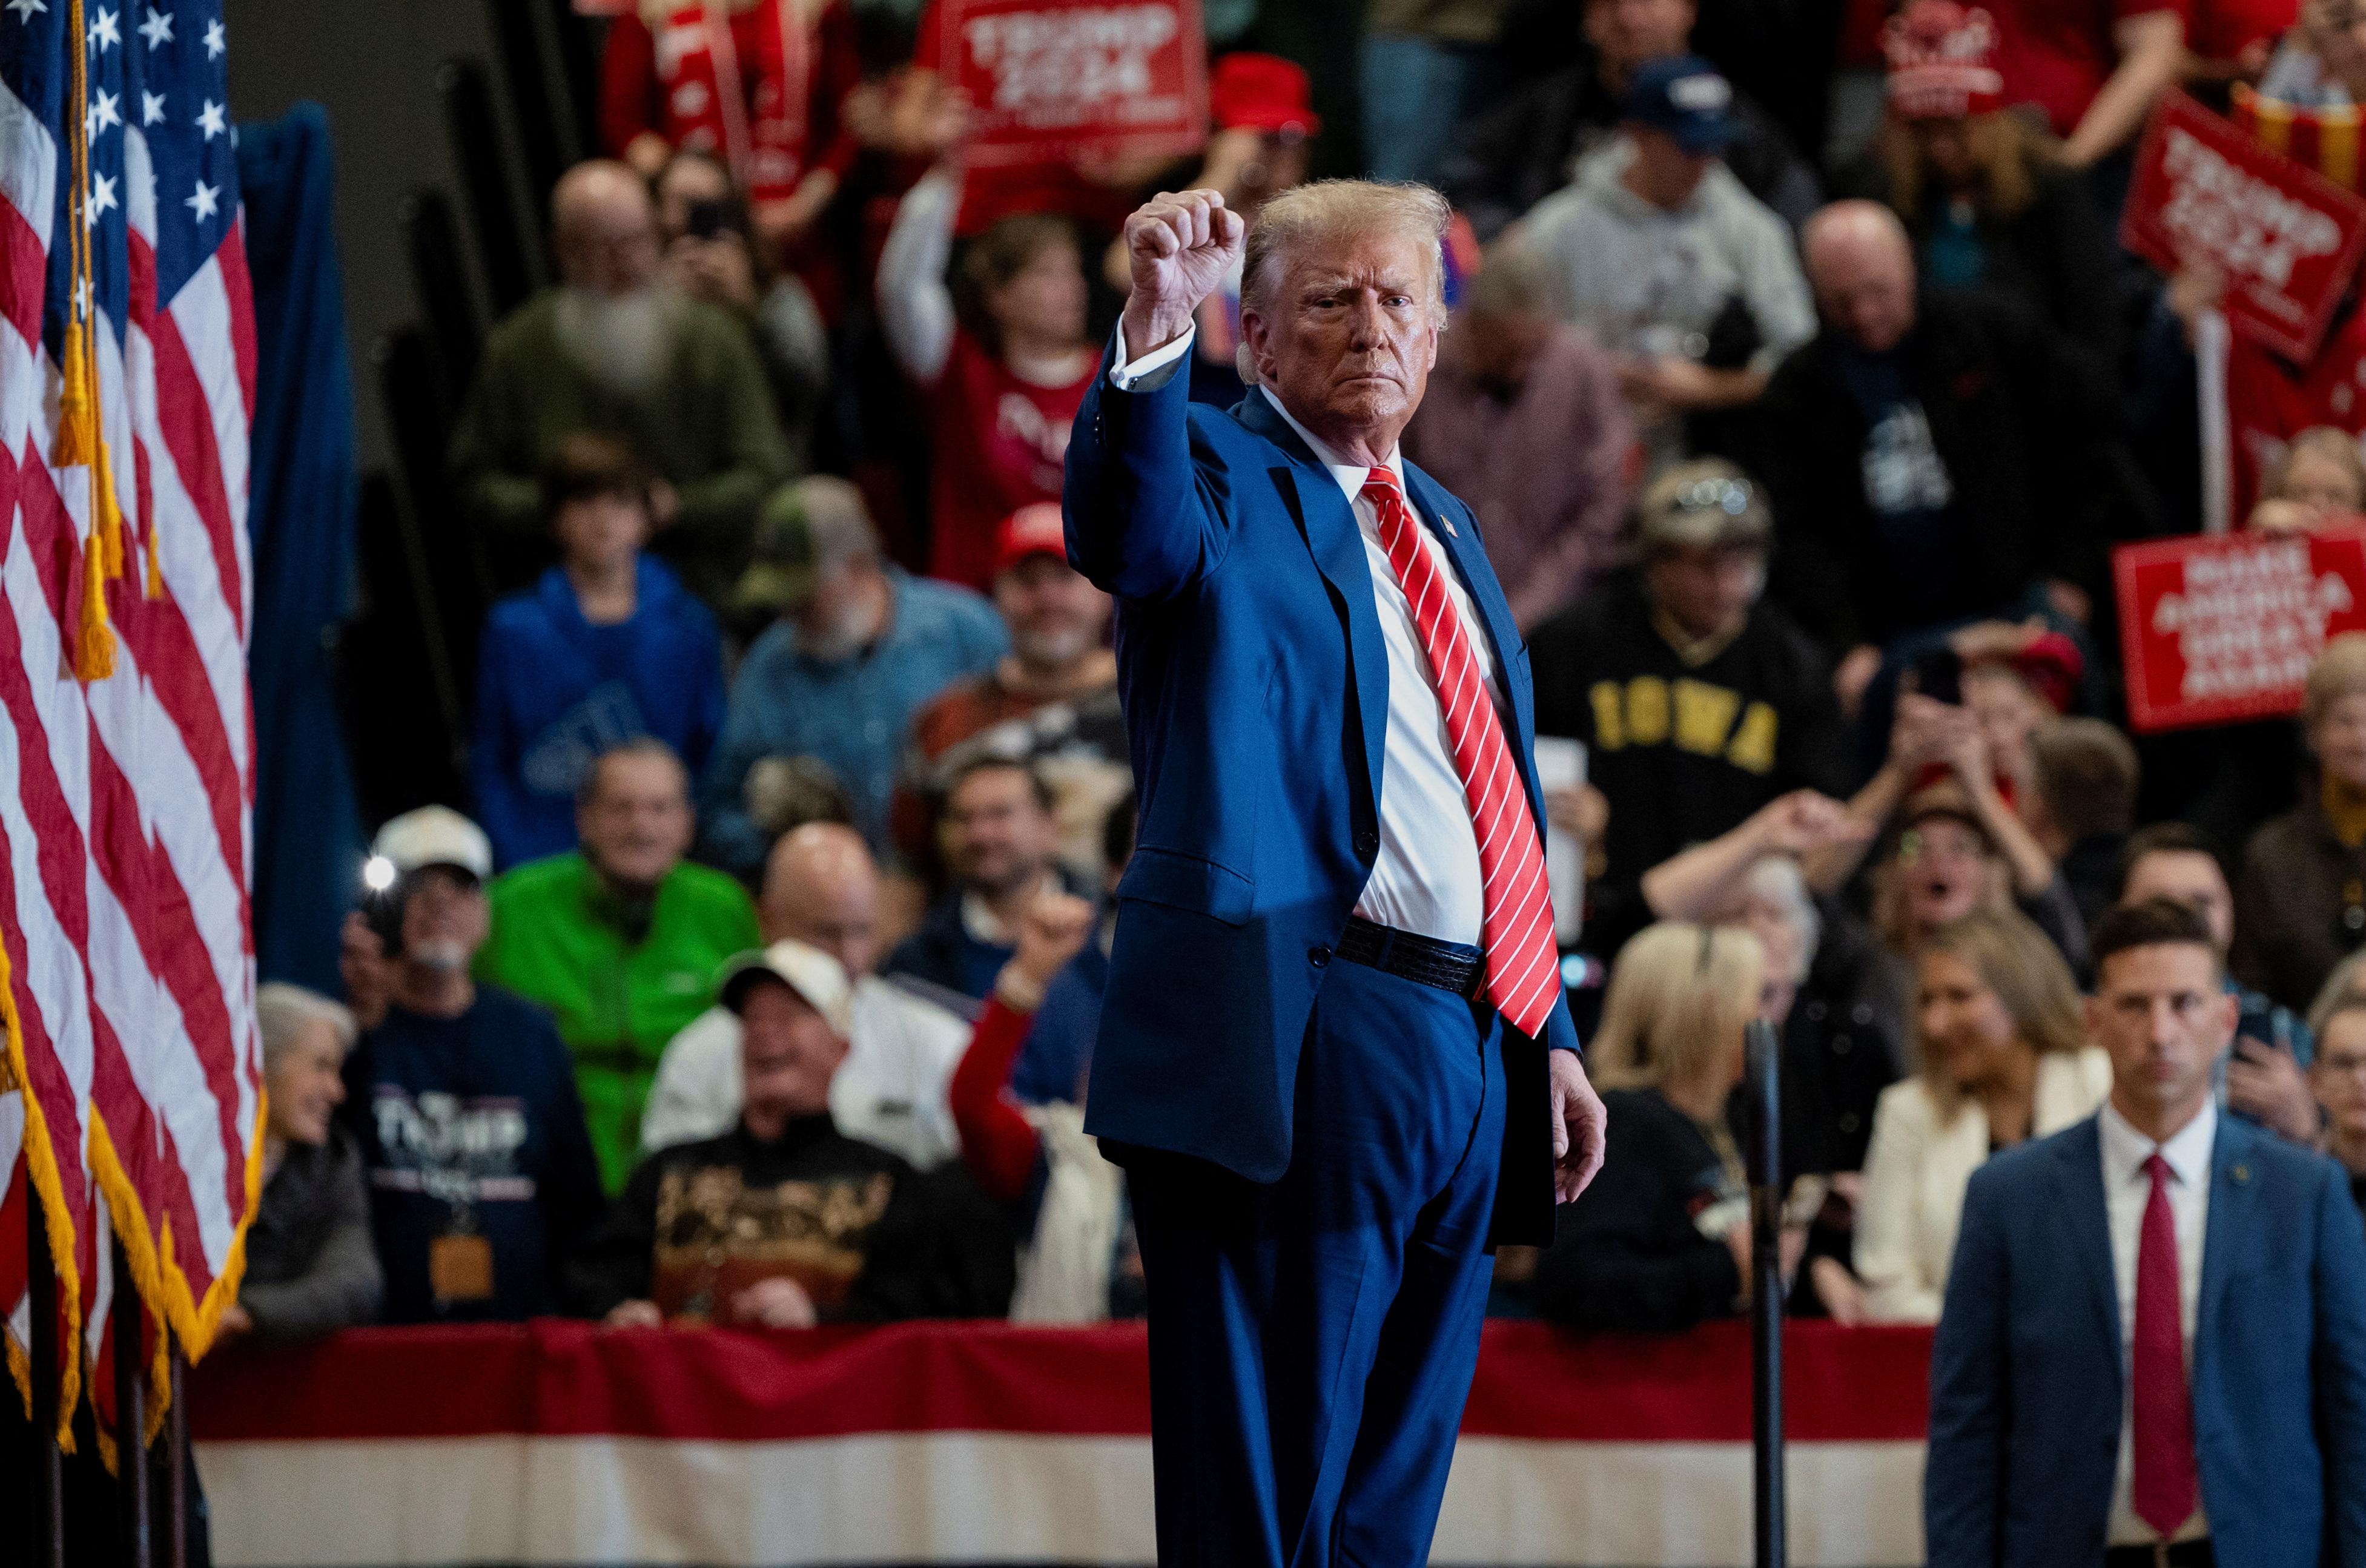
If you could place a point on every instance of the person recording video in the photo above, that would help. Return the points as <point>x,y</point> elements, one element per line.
<point>482,1178</point>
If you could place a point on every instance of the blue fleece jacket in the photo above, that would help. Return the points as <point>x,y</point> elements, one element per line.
<point>554,692</point>
<point>851,715</point>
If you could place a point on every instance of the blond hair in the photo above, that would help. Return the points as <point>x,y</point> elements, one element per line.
<point>1679,996</point>
<point>2014,958</point>
<point>2334,444</point>
<point>2340,671</point>
<point>1329,211</point>
<point>2008,151</point>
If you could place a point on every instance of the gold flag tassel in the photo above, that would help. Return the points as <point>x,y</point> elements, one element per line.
<point>81,440</point>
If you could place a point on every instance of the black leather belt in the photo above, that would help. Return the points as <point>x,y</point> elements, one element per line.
<point>2184,1555</point>
<point>1448,966</point>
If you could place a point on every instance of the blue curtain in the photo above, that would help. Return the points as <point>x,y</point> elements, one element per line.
<point>300,508</point>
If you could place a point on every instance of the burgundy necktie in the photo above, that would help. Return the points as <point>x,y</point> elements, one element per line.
<point>1523,973</point>
<point>2163,1487</point>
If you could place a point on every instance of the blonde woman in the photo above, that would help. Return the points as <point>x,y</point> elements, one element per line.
<point>1661,1240</point>
<point>2003,1044</point>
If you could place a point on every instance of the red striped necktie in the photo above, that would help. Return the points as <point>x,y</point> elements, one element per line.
<point>1523,973</point>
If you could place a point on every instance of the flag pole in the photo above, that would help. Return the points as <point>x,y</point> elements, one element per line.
<point>50,1530</point>
<point>174,1552</point>
<point>130,1414</point>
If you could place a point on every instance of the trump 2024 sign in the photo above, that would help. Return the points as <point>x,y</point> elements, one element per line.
<point>1114,79</point>
<point>2286,238</point>
<point>2218,628</point>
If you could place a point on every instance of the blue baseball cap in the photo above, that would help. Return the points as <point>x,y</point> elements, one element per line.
<point>1685,96</point>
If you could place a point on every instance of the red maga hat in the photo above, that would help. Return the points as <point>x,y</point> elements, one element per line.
<point>1261,92</point>
<point>1035,529</point>
<point>1941,61</point>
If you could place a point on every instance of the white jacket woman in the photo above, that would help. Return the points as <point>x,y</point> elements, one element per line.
<point>2004,1060</point>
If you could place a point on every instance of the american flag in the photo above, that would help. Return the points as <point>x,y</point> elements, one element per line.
<point>125,837</point>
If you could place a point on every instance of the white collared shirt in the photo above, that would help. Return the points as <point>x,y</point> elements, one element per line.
<point>2127,1190</point>
<point>1426,879</point>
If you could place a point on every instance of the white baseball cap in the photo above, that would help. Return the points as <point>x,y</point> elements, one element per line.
<point>435,835</point>
<point>813,974</point>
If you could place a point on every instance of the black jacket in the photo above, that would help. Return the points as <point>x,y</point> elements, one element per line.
<point>2027,434</point>
<point>2300,908</point>
<point>869,1239</point>
<point>1682,752</point>
<point>1524,149</point>
<point>1630,1253</point>
<point>309,1266</point>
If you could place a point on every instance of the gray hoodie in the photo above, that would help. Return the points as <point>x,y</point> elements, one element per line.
<point>1647,281</point>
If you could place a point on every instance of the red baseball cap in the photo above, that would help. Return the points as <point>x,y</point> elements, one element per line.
<point>1261,92</point>
<point>1032,530</point>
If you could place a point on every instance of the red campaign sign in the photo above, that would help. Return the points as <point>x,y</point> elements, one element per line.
<point>2216,628</point>
<point>2286,237</point>
<point>1117,79</point>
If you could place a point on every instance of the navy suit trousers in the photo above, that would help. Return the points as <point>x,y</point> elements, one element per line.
<point>1312,1341</point>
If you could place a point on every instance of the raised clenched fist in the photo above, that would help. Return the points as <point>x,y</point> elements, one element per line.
<point>1178,246</point>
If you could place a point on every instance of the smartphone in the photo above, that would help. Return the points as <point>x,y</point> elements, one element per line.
<point>709,216</point>
<point>382,899</point>
<point>1939,674</point>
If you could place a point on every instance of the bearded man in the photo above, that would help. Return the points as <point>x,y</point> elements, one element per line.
<point>1334,1057</point>
<point>613,347</point>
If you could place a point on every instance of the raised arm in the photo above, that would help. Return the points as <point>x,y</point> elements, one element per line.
<point>1144,520</point>
<point>916,308</point>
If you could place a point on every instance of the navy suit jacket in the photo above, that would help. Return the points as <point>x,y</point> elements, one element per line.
<point>2025,1374</point>
<point>1255,688</point>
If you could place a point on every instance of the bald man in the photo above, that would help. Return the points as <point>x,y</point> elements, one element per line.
<point>821,887</point>
<point>1932,457</point>
<point>613,347</point>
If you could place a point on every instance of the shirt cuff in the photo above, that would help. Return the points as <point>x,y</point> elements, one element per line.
<point>1152,370</point>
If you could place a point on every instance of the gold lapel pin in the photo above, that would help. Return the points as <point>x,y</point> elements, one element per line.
<point>2240,1173</point>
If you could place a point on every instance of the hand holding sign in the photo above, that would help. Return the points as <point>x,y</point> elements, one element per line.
<point>2207,199</point>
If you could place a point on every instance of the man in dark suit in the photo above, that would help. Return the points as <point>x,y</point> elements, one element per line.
<point>2154,1345</point>
<point>1335,1054</point>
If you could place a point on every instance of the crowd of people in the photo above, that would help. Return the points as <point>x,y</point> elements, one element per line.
<point>759,980</point>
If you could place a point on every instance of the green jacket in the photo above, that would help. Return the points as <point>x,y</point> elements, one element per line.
<point>707,425</point>
<point>557,939</point>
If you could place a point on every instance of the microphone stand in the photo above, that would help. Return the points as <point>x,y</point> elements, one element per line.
<point>1764,1053</point>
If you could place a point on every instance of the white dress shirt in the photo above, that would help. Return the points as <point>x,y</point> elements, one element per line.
<point>1427,877</point>
<point>2127,1189</point>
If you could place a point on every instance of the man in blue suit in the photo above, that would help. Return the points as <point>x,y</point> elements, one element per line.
<point>1335,1054</point>
<point>2154,1345</point>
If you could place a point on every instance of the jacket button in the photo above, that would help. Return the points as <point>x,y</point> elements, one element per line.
<point>1843,1045</point>
<point>1368,842</point>
<point>1849,1123</point>
<point>1318,956</point>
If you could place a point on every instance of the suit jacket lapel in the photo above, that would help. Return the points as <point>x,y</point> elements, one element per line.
<point>2078,1170</point>
<point>1433,504</point>
<point>2233,1195</point>
<point>1328,525</point>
